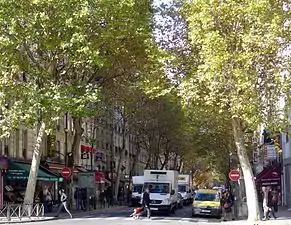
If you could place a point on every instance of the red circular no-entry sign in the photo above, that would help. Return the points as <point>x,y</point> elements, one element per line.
<point>234,175</point>
<point>66,173</point>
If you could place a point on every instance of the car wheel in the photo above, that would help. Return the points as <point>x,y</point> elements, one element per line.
<point>173,210</point>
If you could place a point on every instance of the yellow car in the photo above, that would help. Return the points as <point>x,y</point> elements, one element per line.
<point>207,203</point>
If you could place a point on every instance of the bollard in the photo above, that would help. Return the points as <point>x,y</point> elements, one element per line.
<point>20,213</point>
<point>42,210</point>
<point>8,213</point>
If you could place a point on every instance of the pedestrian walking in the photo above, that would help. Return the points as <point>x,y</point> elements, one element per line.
<point>227,206</point>
<point>275,199</point>
<point>63,204</point>
<point>268,205</point>
<point>146,202</point>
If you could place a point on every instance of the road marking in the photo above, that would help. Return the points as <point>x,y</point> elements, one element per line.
<point>87,218</point>
<point>130,218</point>
<point>113,218</point>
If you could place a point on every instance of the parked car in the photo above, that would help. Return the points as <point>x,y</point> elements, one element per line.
<point>180,201</point>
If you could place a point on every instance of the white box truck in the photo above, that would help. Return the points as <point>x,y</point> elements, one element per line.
<point>137,185</point>
<point>163,187</point>
<point>184,187</point>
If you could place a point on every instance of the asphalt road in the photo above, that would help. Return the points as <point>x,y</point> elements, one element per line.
<point>121,217</point>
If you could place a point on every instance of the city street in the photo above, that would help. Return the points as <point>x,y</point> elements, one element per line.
<point>121,217</point>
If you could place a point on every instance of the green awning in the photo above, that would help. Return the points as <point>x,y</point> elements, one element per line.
<point>20,171</point>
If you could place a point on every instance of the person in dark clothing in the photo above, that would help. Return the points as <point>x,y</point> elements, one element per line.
<point>227,202</point>
<point>275,198</point>
<point>146,202</point>
<point>109,196</point>
<point>102,199</point>
<point>268,203</point>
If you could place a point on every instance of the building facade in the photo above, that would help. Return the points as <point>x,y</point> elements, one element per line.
<point>104,139</point>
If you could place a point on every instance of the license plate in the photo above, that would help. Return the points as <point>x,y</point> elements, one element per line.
<point>154,209</point>
<point>205,211</point>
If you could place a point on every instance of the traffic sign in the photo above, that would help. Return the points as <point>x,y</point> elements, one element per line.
<point>66,173</point>
<point>98,156</point>
<point>234,175</point>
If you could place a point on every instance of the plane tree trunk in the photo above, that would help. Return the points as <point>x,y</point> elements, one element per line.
<point>251,192</point>
<point>37,151</point>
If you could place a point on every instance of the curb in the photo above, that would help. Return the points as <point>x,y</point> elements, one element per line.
<point>74,214</point>
<point>28,221</point>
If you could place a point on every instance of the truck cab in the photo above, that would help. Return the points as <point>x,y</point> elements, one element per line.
<point>163,188</point>
<point>184,188</point>
<point>137,183</point>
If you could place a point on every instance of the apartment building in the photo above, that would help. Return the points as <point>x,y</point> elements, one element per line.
<point>105,139</point>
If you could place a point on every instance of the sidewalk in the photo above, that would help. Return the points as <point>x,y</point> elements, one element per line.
<point>268,222</point>
<point>63,215</point>
<point>284,218</point>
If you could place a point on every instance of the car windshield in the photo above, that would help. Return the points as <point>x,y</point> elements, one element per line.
<point>162,188</point>
<point>207,197</point>
<point>137,188</point>
<point>181,188</point>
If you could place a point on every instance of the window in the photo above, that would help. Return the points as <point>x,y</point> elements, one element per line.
<point>6,148</point>
<point>59,125</point>
<point>161,188</point>
<point>51,145</point>
<point>58,147</point>
<point>137,188</point>
<point>1,148</point>
<point>206,197</point>
<point>24,144</point>
<point>182,188</point>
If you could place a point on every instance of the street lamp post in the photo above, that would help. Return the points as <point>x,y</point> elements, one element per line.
<point>66,138</point>
<point>66,147</point>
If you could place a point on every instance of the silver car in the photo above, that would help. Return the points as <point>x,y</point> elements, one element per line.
<point>180,201</point>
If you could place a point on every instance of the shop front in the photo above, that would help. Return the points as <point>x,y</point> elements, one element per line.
<point>15,182</point>
<point>57,168</point>
<point>270,176</point>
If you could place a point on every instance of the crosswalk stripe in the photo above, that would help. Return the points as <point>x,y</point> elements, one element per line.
<point>90,218</point>
<point>129,218</point>
<point>113,218</point>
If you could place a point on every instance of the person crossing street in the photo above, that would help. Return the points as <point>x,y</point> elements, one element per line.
<point>63,204</point>
<point>146,202</point>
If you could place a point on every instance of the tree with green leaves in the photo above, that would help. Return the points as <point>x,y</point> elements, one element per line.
<point>64,52</point>
<point>238,61</point>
